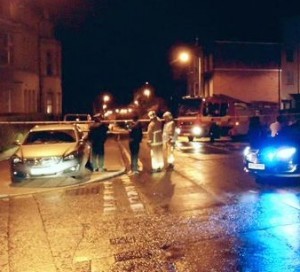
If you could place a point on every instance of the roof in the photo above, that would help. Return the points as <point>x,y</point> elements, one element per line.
<point>53,127</point>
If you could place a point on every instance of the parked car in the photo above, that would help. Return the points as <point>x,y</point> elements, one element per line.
<point>275,156</point>
<point>50,151</point>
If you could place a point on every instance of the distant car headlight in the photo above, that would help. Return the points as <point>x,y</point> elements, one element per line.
<point>70,156</point>
<point>15,159</point>
<point>196,130</point>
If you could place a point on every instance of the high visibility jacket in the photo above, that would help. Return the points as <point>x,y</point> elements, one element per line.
<point>154,132</point>
<point>169,131</point>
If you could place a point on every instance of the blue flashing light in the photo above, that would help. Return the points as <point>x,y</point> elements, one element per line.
<point>284,153</point>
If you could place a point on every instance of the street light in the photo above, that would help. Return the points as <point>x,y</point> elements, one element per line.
<point>186,56</point>
<point>106,98</point>
<point>147,92</point>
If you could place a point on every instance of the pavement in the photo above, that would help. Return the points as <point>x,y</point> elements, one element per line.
<point>114,165</point>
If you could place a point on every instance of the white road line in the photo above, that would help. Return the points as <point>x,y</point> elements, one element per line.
<point>109,204</point>
<point>133,196</point>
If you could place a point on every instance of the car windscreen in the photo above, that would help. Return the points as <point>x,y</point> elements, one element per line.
<point>53,136</point>
<point>189,107</point>
<point>77,118</point>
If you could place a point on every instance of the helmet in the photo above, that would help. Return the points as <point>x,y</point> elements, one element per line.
<point>168,114</point>
<point>151,114</point>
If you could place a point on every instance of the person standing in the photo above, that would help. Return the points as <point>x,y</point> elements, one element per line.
<point>255,132</point>
<point>169,139</point>
<point>154,133</point>
<point>214,132</point>
<point>135,138</point>
<point>97,137</point>
<point>276,126</point>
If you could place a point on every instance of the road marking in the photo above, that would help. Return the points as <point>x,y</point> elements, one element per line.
<point>133,196</point>
<point>109,199</point>
<point>110,202</point>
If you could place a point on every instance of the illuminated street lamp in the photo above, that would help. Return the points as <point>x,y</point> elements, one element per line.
<point>184,57</point>
<point>191,57</point>
<point>106,98</point>
<point>147,92</point>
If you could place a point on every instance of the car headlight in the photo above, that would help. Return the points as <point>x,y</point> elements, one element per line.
<point>246,151</point>
<point>285,153</point>
<point>250,154</point>
<point>196,130</point>
<point>177,130</point>
<point>16,159</point>
<point>70,156</point>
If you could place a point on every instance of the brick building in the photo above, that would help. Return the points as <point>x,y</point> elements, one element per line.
<point>250,71</point>
<point>30,60</point>
<point>244,70</point>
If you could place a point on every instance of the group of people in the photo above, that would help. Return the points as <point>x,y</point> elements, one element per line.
<point>161,141</point>
<point>257,131</point>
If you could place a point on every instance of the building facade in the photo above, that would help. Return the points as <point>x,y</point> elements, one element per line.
<point>290,63</point>
<point>30,60</point>
<point>247,71</point>
<point>251,71</point>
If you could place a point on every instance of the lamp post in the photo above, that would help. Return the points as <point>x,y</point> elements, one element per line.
<point>186,56</point>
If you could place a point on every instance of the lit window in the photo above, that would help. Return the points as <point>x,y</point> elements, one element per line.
<point>49,103</point>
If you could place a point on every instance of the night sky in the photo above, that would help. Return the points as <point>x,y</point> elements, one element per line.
<point>117,45</point>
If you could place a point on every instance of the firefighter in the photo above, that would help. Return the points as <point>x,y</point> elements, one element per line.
<point>169,139</point>
<point>154,133</point>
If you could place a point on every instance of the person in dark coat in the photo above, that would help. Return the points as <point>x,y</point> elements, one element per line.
<point>255,132</point>
<point>214,132</point>
<point>97,137</point>
<point>135,138</point>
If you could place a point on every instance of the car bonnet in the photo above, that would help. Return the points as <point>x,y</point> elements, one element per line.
<point>42,150</point>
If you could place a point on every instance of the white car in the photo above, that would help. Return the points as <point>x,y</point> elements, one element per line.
<point>50,151</point>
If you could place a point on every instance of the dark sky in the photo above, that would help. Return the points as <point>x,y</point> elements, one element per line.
<point>117,45</point>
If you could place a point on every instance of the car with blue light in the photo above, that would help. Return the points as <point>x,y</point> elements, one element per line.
<point>277,156</point>
<point>50,151</point>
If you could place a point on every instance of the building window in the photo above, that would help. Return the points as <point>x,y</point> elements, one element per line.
<point>289,78</point>
<point>289,55</point>
<point>30,101</point>
<point>58,103</point>
<point>49,103</point>
<point>6,49</point>
<point>49,63</point>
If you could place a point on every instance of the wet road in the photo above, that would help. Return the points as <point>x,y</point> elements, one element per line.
<point>206,215</point>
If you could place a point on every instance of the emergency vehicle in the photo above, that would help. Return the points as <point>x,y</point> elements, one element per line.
<point>195,116</point>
